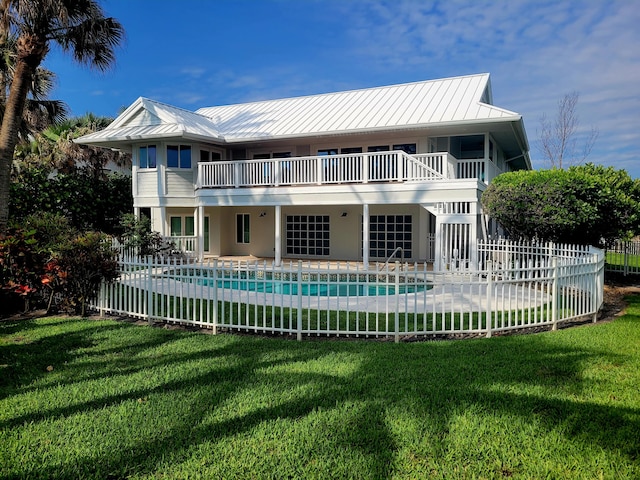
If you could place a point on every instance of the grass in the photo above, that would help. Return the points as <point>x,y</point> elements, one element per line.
<point>617,259</point>
<point>127,401</point>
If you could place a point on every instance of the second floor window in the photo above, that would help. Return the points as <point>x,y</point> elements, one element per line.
<point>147,156</point>
<point>179,156</point>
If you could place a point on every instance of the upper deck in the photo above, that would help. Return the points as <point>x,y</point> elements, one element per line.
<point>357,168</point>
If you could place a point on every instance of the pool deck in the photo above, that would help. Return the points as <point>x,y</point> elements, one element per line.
<point>318,264</point>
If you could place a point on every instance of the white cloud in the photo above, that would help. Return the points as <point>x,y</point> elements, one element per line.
<point>536,51</point>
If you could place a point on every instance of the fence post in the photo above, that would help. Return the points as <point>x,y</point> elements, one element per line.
<point>626,258</point>
<point>102,297</point>
<point>215,296</point>
<point>299,319</point>
<point>397,295</point>
<point>149,289</point>
<point>554,293</point>
<point>489,314</point>
<point>596,295</point>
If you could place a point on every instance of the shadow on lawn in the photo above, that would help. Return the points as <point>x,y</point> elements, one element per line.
<point>429,381</point>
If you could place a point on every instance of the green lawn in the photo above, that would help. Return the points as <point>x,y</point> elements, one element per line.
<point>127,401</point>
<point>618,259</point>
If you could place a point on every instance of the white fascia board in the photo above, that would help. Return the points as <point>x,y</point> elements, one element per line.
<point>108,141</point>
<point>360,131</point>
<point>464,190</point>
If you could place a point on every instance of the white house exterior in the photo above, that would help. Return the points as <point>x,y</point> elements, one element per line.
<point>358,175</point>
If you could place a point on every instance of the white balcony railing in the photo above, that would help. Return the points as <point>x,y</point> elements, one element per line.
<point>483,170</point>
<point>392,166</point>
<point>184,243</point>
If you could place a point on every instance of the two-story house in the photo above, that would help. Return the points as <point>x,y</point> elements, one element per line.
<point>357,175</point>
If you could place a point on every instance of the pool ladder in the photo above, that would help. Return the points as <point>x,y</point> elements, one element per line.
<point>398,249</point>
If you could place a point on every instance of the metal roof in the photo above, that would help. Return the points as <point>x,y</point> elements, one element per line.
<point>147,119</point>
<point>410,105</point>
<point>449,101</point>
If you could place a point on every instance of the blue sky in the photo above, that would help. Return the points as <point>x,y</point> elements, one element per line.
<point>196,53</point>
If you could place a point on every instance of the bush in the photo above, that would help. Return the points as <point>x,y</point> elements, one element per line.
<point>79,267</point>
<point>21,266</point>
<point>582,205</point>
<point>136,235</point>
<point>47,259</point>
<point>89,202</point>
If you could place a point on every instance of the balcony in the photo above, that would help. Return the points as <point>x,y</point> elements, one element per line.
<point>355,168</point>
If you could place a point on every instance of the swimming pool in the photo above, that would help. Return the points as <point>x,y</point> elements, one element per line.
<point>282,287</point>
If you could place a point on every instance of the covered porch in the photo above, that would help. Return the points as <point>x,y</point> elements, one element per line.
<point>367,233</point>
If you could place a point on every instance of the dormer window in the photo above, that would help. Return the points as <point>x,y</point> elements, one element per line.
<point>178,156</point>
<point>147,156</point>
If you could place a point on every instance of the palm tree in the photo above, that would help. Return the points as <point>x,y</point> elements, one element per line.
<point>79,27</point>
<point>55,148</point>
<point>39,112</point>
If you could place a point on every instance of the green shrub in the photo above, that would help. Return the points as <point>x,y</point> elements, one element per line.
<point>47,259</point>
<point>79,267</point>
<point>587,204</point>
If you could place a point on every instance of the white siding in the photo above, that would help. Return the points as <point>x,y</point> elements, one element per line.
<point>147,183</point>
<point>180,183</point>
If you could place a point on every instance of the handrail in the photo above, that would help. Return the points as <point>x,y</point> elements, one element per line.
<point>391,166</point>
<point>386,264</point>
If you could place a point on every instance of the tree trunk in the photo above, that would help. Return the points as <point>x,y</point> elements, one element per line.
<point>31,51</point>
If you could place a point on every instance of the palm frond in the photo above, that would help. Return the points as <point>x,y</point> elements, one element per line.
<point>92,42</point>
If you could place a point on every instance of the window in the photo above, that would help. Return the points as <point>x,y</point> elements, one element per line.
<point>327,151</point>
<point>178,222</point>
<point>438,144</point>
<point>209,156</point>
<point>178,156</point>
<point>176,226</point>
<point>206,234</point>
<point>242,228</point>
<point>388,232</point>
<point>378,148</point>
<point>147,156</point>
<point>467,147</point>
<point>409,148</point>
<point>348,150</point>
<point>189,226</point>
<point>308,235</point>
<point>267,155</point>
<point>186,226</point>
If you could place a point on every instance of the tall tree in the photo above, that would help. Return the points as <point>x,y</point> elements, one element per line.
<point>39,112</point>
<point>56,146</point>
<point>558,140</point>
<point>79,27</point>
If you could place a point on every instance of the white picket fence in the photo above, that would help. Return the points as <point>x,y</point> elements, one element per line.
<point>623,257</point>
<point>515,286</point>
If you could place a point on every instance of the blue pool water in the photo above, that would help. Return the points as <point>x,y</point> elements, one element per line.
<point>316,289</point>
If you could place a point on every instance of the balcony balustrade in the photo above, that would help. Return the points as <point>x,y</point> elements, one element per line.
<point>354,168</point>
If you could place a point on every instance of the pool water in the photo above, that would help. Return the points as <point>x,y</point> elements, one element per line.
<point>316,289</point>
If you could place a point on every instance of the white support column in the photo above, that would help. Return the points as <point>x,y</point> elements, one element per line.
<point>277,239</point>
<point>437,265</point>
<point>163,221</point>
<point>365,234</point>
<point>200,231</point>
<point>136,212</point>
<point>473,240</point>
